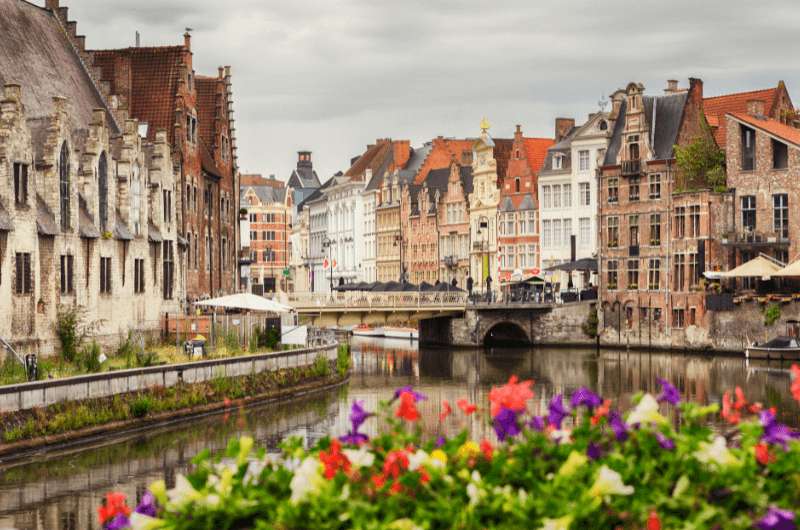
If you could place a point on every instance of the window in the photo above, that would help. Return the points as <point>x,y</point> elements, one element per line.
<point>633,189</point>
<point>633,230</point>
<point>613,189</point>
<point>512,259</point>
<point>531,220</point>
<point>23,281</point>
<point>654,274</point>
<point>748,148</point>
<point>749,213</point>
<point>633,147</point>
<point>612,274</point>
<point>105,275</point>
<point>655,229</point>
<point>208,254</point>
<point>585,194</point>
<point>516,185</point>
<point>253,235</point>
<point>169,270</point>
<point>63,188</point>
<point>532,255</point>
<point>547,233</point>
<point>136,200</point>
<point>556,195</point>
<point>678,318</point>
<point>694,221</point>
<point>67,266</point>
<point>680,271</point>
<point>547,201</point>
<point>557,241</point>
<point>613,231</point>
<point>567,240</point>
<point>780,155</point>
<point>655,186</point>
<point>510,224</point>
<point>583,157</point>
<point>567,195</point>
<point>694,271</point>
<point>20,184</point>
<point>633,274</point>
<point>680,222</point>
<point>166,197</point>
<point>780,214</point>
<point>253,218</point>
<point>138,276</point>
<point>584,231</point>
<point>558,161</point>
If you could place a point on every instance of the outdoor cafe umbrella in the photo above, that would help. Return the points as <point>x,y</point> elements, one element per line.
<point>791,270</point>
<point>392,286</point>
<point>425,286</point>
<point>410,287</point>
<point>377,287</point>
<point>582,265</point>
<point>758,267</point>
<point>245,302</point>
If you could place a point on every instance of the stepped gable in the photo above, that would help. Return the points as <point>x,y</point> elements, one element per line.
<point>38,52</point>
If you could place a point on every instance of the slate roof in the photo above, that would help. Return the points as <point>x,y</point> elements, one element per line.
<point>45,220</point>
<point>717,107</point>
<point>86,226</point>
<point>303,177</point>
<point>415,161</point>
<point>770,126</point>
<point>266,194</point>
<point>153,233</point>
<point>5,220</point>
<point>525,203</point>
<point>121,231</point>
<point>668,115</point>
<point>153,73</point>
<point>36,54</point>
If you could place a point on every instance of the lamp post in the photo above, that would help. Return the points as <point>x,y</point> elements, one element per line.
<point>483,227</point>
<point>327,243</point>
<point>398,240</point>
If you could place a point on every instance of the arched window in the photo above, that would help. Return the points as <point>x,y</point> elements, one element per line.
<point>136,200</point>
<point>102,191</point>
<point>63,188</point>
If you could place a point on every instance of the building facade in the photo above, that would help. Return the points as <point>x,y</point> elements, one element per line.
<point>390,245</point>
<point>454,226</point>
<point>483,203</point>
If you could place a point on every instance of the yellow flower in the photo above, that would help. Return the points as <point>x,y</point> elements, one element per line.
<point>574,461</point>
<point>646,412</point>
<point>562,523</point>
<point>438,458</point>
<point>470,449</point>
<point>159,491</point>
<point>609,482</point>
<point>245,445</point>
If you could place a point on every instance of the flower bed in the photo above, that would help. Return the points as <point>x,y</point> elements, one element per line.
<point>610,470</point>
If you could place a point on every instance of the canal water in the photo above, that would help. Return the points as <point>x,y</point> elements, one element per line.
<point>56,491</point>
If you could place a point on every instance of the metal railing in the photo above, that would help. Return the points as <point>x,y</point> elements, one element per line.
<point>378,300</point>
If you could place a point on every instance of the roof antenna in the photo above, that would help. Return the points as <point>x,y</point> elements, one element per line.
<point>138,39</point>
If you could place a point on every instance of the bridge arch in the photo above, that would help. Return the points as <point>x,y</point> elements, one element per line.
<point>506,333</point>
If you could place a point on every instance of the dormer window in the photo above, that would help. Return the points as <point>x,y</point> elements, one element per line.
<point>191,129</point>
<point>558,161</point>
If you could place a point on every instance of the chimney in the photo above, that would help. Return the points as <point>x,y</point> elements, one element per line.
<point>304,159</point>
<point>672,86</point>
<point>518,131</point>
<point>221,72</point>
<point>696,91</point>
<point>401,151</point>
<point>138,40</point>
<point>563,126</point>
<point>52,5</point>
<point>755,107</point>
<point>187,40</point>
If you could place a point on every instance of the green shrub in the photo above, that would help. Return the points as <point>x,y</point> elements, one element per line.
<point>591,323</point>
<point>89,358</point>
<point>127,350</point>
<point>343,359</point>
<point>321,367</point>
<point>68,320</point>
<point>772,314</point>
<point>232,341</point>
<point>140,407</point>
<point>146,358</point>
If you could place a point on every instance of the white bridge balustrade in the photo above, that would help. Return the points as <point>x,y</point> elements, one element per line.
<point>378,301</point>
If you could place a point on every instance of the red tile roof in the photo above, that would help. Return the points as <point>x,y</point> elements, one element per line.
<point>148,79</point>
<point>770,126</point>
<point>207,94</point>
<point>716,108</point>
<point>443,151</point>
<point>502,152</point>
<point>536,149</point>
<point>258,180</point>
<point>373,158</point>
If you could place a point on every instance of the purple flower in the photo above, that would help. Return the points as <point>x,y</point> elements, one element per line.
<point>537,423</point>
<point>358,415</point>
<point>354,438</point>
<point>557,411</point>
<point>584,396</point>
<point>665,443</point>
<point>417,396</point>
<point>119,522</point>
<point>669,393</point>
<point>148,505</point>
<point>440,441</point>
<point>505,424</point>
<point>776,433</point>
<point>777,519</point>
<point>617,424</point>
<point>593,451</point>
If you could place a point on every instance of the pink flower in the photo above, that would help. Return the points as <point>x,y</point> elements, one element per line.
<point>446,410</point>
<point>512,396</point>
<point>466,407</point>
<point>408,407</point>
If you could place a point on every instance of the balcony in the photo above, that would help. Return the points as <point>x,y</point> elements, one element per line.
<point>751,238</point>
<point>631,168</point>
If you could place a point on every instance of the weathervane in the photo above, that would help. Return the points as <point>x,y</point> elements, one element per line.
<point>602,103</point>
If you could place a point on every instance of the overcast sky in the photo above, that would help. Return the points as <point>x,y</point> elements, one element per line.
<point>332,76</point>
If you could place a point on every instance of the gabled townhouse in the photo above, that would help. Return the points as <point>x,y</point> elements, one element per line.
<point>454,226</point>
<point>518,237</point>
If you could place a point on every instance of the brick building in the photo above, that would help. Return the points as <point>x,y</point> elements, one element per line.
<point>454,248</point>
<point>158,87</point>
<point>87,198</point>
<point>518,242</point>
<point>657,229</point>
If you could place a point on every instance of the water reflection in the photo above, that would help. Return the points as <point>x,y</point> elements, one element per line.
<point>62,491</point>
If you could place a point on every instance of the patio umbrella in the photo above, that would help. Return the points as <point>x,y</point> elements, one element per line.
<point>377,287</point>
<point>583,264</point>
<point>410,287</point>
<point>392,286</point>
<point>791,270</point>
<point>246,302</point>
<point>758,267</point>
<point>425,286</point>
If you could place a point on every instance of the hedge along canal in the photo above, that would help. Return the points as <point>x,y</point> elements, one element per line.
<point>71,422</point>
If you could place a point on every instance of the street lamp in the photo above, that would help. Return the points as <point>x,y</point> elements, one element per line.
<point>327,243</point>
<point>398,240</point>
<point>483,227</point>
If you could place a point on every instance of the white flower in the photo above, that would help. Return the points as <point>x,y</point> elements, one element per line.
<point>646,412</point>
<point>574,461</point>
<point>253,473</point>
<point>183,493</point>
<point>609,482</point>
<point>291,464</point>
<point>561,436</point>
<point>307,480</point>
<point>474,491</point>
<point>716,452</point>
<point>562,523</point>
<point>416,460</point>
<point>359,458</point>
<point>140,521</point>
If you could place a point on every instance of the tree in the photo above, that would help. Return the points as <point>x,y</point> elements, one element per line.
<point>701,162</point>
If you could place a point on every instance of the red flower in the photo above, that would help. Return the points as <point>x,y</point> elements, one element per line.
<point>762,454</point>
<point>653,522</point>
<point>396,488</point>
<point>114,505</point>
<point>487,449</point>
<point>424,478</point>
<point>379,481</point>
<point>467,407</point>
<point>741,402</point>
<point>728,412</point>
<point>446,410</point>
<point>334,460</point>
<point>796,382</point>
<point>511,396</point>
<point>601,411</point>
<point>407,408</point>
<point>396,462</point>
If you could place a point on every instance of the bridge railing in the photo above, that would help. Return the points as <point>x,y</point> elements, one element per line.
<point>375,300</point>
